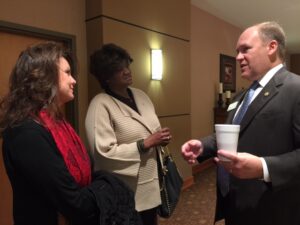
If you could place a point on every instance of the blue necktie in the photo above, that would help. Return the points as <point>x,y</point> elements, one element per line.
<point>223,175</point>
<point>246,102</point>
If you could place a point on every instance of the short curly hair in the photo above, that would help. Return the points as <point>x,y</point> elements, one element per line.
<point>107,61</point>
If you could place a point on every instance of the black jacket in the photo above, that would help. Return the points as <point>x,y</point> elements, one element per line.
<point>269,129</point>
<point>43,187</point>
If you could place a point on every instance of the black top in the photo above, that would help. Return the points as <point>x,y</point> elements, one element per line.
<point>128,101</point>
<point>42,185</point>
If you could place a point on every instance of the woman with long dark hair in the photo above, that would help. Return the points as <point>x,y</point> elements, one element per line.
<point>46,162</point>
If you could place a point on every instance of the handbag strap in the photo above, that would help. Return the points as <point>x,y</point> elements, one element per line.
<point>159,157</point>
<point>162,153</point>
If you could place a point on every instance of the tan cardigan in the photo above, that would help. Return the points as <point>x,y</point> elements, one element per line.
<point>113,129</point>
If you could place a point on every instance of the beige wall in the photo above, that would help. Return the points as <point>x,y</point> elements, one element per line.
<point>142,26</point>
<point>67,16</point>
<point>162,16</point>
<point>210,37</point>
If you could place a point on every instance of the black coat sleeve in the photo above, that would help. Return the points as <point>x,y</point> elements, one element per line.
<point>34,164</point>
<point>30,153</point>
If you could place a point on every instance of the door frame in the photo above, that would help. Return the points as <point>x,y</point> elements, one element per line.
<point>67,39</point>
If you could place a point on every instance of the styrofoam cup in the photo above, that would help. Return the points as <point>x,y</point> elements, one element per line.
<point>227,138</point>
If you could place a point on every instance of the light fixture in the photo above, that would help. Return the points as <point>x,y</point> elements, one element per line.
<point>156,64</point>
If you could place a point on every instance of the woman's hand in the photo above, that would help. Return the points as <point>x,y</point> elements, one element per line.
<point>161,137</point>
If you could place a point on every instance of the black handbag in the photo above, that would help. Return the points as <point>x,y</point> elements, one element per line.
<point>170,182</point>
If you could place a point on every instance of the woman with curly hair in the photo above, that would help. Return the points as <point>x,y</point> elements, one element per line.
<point>123,129</point>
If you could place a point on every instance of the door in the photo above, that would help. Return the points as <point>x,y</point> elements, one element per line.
<point>11,45</point>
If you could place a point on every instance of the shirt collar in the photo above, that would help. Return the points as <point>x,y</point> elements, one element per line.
<point>268,76</point>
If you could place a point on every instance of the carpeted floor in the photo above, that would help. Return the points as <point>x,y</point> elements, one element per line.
<point>197,204</point>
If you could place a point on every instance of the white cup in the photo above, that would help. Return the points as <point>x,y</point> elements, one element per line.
<point>227,138</point>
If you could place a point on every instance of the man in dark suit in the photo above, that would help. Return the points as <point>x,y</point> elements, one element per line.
<point>264,176</point>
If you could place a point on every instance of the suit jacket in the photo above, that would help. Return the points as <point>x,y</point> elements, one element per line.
<point>269,129</point>
<point>113,129</point>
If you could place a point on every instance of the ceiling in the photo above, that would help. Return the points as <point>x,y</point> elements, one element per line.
<point>246,13</point>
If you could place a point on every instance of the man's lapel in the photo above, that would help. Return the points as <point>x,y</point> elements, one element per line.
<point>266,94</point>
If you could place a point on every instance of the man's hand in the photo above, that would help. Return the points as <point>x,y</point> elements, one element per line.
<point>242,165</point>
<point>191,150</point>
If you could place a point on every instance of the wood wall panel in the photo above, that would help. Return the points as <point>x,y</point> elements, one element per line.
<point>176,81</point>
<point>162,16</point>
<point>295,63</point>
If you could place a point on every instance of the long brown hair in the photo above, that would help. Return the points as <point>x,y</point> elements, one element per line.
<point>33,84</point>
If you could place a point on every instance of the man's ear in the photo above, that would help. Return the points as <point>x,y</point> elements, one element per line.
<point>272,47</point>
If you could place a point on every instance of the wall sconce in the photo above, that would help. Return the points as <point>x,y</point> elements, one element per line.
<point>156,64</point>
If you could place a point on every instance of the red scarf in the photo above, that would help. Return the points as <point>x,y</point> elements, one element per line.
<point>70,147</point>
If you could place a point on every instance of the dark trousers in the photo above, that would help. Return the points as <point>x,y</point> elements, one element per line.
<point>149,217</point>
